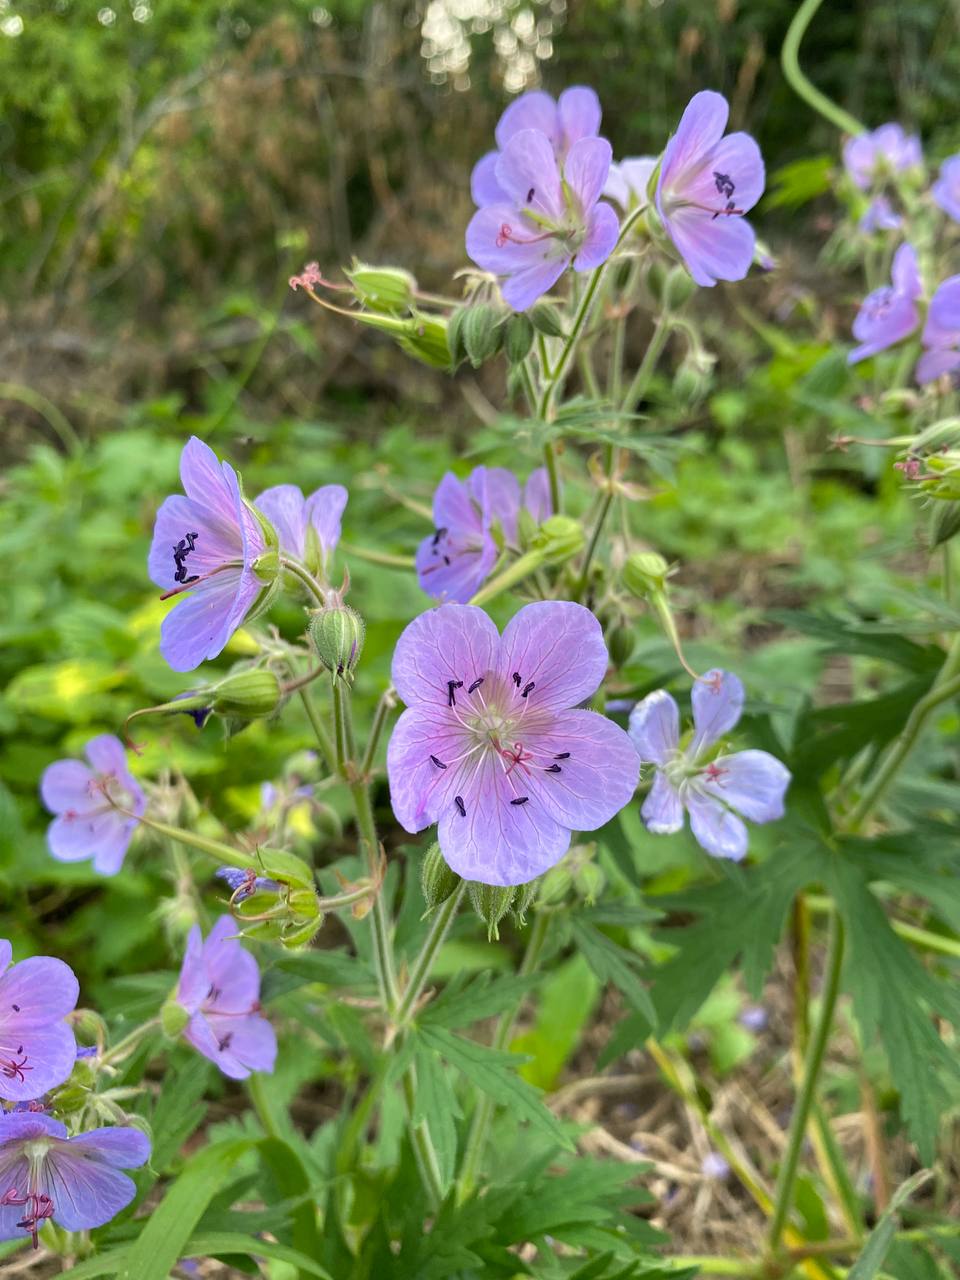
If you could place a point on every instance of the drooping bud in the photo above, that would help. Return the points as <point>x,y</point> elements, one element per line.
<point>589,881</point>
<point>944,522</point>
<point>620,643</point>
<point>559,538</point>
<point>337,634</point>
<point>546,319</point>
<point>173,1017</point>
<point>491,903</point>
<point>247,695</point>
<point>677,288</point>
<point>644,573</point>
<point>519,338</point>
<point>483,332</point>
<point>389,289</point>
<point>425,338</point>
<point>436,878</point>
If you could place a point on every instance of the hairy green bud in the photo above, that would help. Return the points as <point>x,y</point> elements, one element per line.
<point>173,1017</point>
<point>546,319</point>
<point>337,635</point>
<point>247,694</point>
<point>645,573</point>
<point>425,338</point>
<point>388,289</point>
<point>519,338</point>
<point>559,538</point>
<point>677,288</point>
<point>491,903</point>
<point>436,878</point>
<point>458,348</point>
<point>621,643</point>
<point>483,333</point>
<point>944,522</point>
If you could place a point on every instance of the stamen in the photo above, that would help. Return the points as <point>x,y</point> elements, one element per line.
<point>476,685</point>
<point>564,755</point>
<point>13,1068</point>
<point>438,763</point>
<point>224,1044</point>
<point>516,679</point>
<point>15,1008</point>
<point>554,768</point>
<point>438,535</point>
<point>451,696</point>
<point>528,688</point>
<point>530,194</point>
<point>520,800</point>
<point>458,801</point>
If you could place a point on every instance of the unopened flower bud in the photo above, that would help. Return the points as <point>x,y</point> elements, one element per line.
<point>555,885</point>
<point>620,643</point>
<point>389,289</point>
<point>944,522</point>
<point>482,332</point>
<point>693,378</point>
<point>589,881</point>
<point>559,538</point>
<point>173,1018</point>
<point>436,878</point>
<point>526,896</point>
<point>519,338</point>
<point>458,348</point>
<point>491,903</point>
<point>677,288</point>
<point>425,338</point>
<point>546,319</point>
<point>644,573</point>
<point>337,634</point>
<point>247,695</point>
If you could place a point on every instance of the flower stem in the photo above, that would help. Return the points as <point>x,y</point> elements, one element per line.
<point>641,379</point>
<point>476,1145</point>
<point>223,853</point>
<point>605,504</point>
<point>790,61</point>
<point>123,1048</point>
<point>324,741</point>
<point>816,1049</point>
<point>514,573</point>
<point>388,700</point>
<point>424,1151</point>
<point>440,924</point>
<point>306,579</point>
<point>377,557</point>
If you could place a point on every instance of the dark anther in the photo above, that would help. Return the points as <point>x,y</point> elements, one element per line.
<point>180,553</point>
<point>564,755</point>
<point>446,560</point>
<point>224,1044</point>
<point>451,696</point>
<point>458,801</point>
<point>16,1008</point>
<point>554,768</point>
<point>476,685</point>
<point>520,800</point>
<point>339,668</point>
<point>438,763</point>
<point>194,577</point>
<point>528,688</point>
<point>530,194</point>
<point>438,535</point>
<point>725,184</point>
<point>516,679</point>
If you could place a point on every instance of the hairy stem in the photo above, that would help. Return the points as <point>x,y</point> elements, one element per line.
<point>790,61</point>
<point>443,918</point>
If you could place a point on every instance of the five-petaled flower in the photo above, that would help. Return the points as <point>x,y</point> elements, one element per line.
<point>941,333</point>
<point>308,528</point>
<point>75,1182</point>
<point>207,543</point>
<point>454,561</point>
<point>98,806</point>
<point>707,182</point>
<point>576,115</point>
<point>37,1047</point>
<point>492,746</point>
<point>714,790</point>
<point>886,151</point>
<point>946,189</point>
<point>889,314</point>
<point>551,216</point>
<point>627,182</point>
<point>220,988</point>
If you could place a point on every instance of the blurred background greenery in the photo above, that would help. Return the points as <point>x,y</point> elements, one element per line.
<point>166,165</point>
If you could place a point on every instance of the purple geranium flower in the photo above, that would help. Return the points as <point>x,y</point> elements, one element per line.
<point>308,528</point>
<point>75,1182</point>
<point>713,791</point>
<point>208,543</point>
<point>575,116</point>
<point>941,333</point>
<point>220,988</point>
<point>37,1047</point>
<point>889,314</point>
<point>491,746</point>
<point>627,181</point>
<point>885,151</point>
<point>97,806</point>
<point>454,560</point>
<point>549,219</point>
<point>880,216</point>
<point>707,183</point>
<point>946,190</point>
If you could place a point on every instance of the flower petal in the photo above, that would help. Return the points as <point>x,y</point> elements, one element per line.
<point>452,570</point>
<point>934,364</point>
<point>603,232</point>
<point>494,841</point>
<point>452,642</point>
<point>121,1147</point>
<point>522,290</point>
<point>85,1193</point>
<point>106,754</point>
<point>484,187</point>
<point>532,110</point>
<point>579,112</point>
<point>454,507</point>
<point>325,508</point>
<point>616,186</point>
<point>234,974</point>
<point>66,784</point>
<point>43,989</point>
<point>194,980</point>
<point>884,319</point>
<point>943,322</point>
<point>104,837</point>
<point>420,789</point>
<point>218,540</point>
<point>244,1045</point>
<point>558,647</point>
<point>715,828</point>
<point>712,248</point>
<point>284,507</point>
<point>49,1050</point>
<point>732,171</point>
<point>905,272</point>
<point>751,782</point>
<point>655,727</point>
<point>662,811</point>
<point>638,170</point>
<point>586,169</point>
<point>701,128</point>
<point>200,625</point>
<point>717,700</point>
<point>499,497</point>
<point>501,240</point>
<point>208,481</point>
<point>536,495</point>
<point>592,783</point>
<point>528,172</point>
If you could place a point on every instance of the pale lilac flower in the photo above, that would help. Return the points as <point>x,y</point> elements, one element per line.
<point>941,333</point>
<point>714,790</point>
<point>208,543</point>
<point>880,216</point>
<point>754,1017</point>
<point>456,558</point>
<point>890,313</point>
<point>220,988</point>
<point>707,183</point>
<point>881,153</point>
<point>244,882</point>
<point>37,1047</point>
<point>551,216</point>
<point>74,1182</point>
<point>627,182</point>
<point>98,806</point>
<point>308,528</point>
<point>576,115</point>
<point>713,1165</point>
<point>946,190</point>
<point>492,747</point>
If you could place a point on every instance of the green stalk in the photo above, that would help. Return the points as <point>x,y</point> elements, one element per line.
<point>790,61</point>
<point>476,1145</point>
<point>514,573</point>
<point>223,853</point>
<point>641,379</point>
<point>324,741</point>
<point>377,557</point>
<point>440,923</point>
<point>388,700</point>
<point>605,505</point>
<point>424,1151</point>
<point>305,578</point>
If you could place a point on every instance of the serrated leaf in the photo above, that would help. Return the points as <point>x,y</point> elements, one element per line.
<point>482,997</point>
<point>494,1073</point>
<point>436,1105</point>
<point>613,963</point>
<point>881,1237</point>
